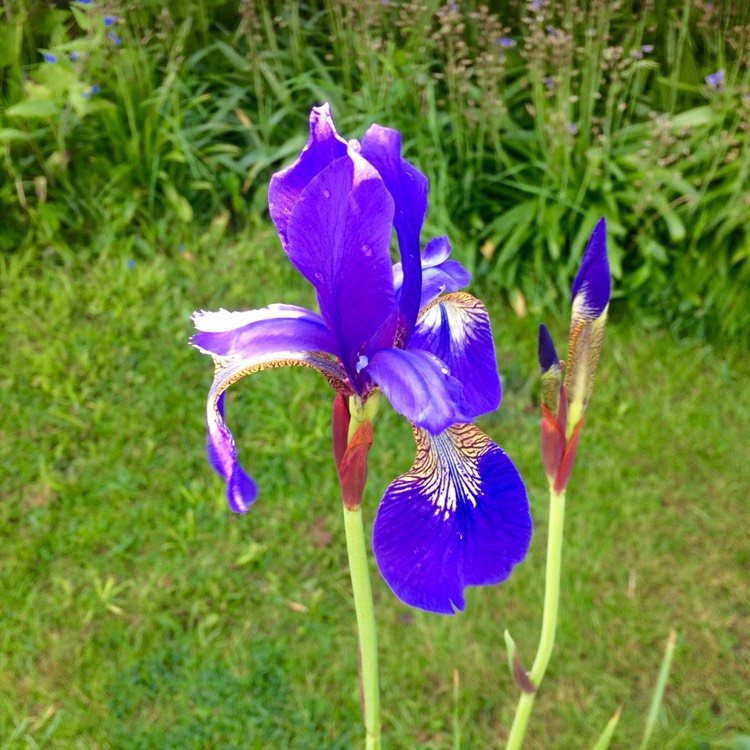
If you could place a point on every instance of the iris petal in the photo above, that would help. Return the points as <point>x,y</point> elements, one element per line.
<point>456,329</point>
<point>408,186</point>
<point>273,337</point>
<point>438,273</point>
<point>273,328</point>
<point>591,286</point>
<point>338,237</point>
<point>419,386</point>
<point>459,517</point>
<point>323,146</point>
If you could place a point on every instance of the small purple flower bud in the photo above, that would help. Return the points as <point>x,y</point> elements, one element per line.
<point>716,80</point>
<point>114,38</point>
<point>130,264</point>
<point>49,57</point>
<point>74,56</point>
<point>506,42</point>
<point>573,128</point>
<point>647,48</point>
<point>549,82</point>
<point>546,351</point>
<point>109,21</point>
<point>94,88</point>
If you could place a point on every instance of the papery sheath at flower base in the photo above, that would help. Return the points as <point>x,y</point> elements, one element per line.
<point>459,517</point>
<point>564,404</point>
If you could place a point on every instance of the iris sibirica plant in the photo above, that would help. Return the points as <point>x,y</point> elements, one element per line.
<point>459,517</point>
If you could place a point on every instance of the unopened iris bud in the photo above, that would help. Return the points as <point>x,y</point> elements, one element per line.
<point>590,298</point>
<point>549,366</point>
<point>553,430</point>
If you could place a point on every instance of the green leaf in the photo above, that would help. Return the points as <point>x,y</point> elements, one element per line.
<point>8,135</point>
<point>82,18</point>
<point>239,62</point>
<point>179,203</point>
<point>694,118</point>
<point>606,736</point>
<point>33,108</point>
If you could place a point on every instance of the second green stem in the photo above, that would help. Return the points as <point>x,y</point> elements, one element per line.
<point>549,619</point>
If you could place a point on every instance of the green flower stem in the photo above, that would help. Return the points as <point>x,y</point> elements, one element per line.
<point>368,642</point>
<point>549,619</point>
<point>356,548</point>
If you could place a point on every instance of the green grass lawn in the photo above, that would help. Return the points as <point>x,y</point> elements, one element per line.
<point>139,612</point>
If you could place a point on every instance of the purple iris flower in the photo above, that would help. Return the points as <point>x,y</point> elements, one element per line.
<point>459,517</point>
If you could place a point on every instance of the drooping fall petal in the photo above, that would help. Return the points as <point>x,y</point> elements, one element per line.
<point>459,517</point>
<point>263,339</point>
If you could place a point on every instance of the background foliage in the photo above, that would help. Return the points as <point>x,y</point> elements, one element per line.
<point>533,119</point>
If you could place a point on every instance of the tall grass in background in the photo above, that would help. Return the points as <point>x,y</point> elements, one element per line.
<point>530,119</point>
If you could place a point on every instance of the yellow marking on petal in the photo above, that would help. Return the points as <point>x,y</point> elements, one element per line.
<point>318,361</point>
<point>462,299</point>
<point>446,466</point>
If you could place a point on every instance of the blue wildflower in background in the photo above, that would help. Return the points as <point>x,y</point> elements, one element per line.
<point>114,38</point>
<point>49,57</point>
<point>716,80</point>
<point>459,516</point>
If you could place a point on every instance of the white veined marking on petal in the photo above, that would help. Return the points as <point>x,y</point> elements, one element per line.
<point>446,468</point>
<point>460,319</point>
<point>362,362</point>
<point>326,193</point>
<point>366,250</point>
<point>581,308</point>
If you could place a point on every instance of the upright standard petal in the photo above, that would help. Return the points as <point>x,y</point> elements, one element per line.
<point>338,237</point>
<point>591,286</point>
<point>408,186</point>
<point>439,274</point>
<point>419,386</point>
<point>456,329</point>
<point>291,337</point>
<point>459,517</point>
<point>324,146</point>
